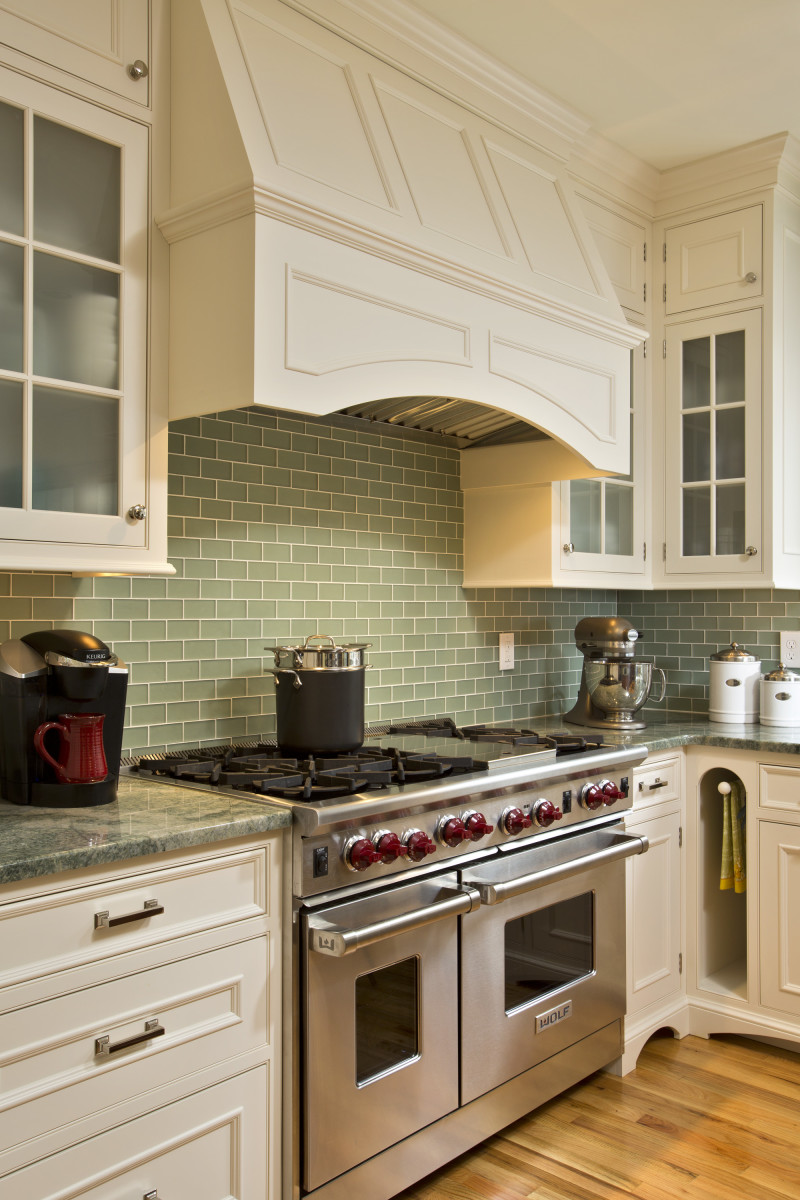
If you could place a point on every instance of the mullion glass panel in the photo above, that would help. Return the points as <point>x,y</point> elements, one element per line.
<point>729,367</point>
<point>12,175</point>
<point>696,522</point>
<point>696,447</point>
<point>696,373</point>
<point>75,452</point>
<point>12,307</point>
<point>730,449</point>
<point>75,321</point>
<point>11,400</point>
<point>730,531</point>
<point>585,515</point>
<point>618,519</point>
<point>76,191</point>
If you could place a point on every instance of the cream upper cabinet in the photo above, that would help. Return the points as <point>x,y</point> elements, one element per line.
<point>105,43</point>
<point>82,445</point>
<point>715,261</point>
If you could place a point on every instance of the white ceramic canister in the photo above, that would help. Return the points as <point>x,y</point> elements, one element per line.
<point>734,678</point>
<point>780,697</point>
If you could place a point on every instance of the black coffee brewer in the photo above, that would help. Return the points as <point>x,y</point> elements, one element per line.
<point>62,713</point>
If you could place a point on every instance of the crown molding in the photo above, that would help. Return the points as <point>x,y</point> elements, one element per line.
<point>739,171</point>
<point>615,173</point>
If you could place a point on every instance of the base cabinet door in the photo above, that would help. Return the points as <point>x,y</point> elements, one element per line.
<point>779,907</point>
<point>654,914</point>
<point>209,1146</point>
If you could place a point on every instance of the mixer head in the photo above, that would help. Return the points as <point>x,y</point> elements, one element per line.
<point>606,637</point>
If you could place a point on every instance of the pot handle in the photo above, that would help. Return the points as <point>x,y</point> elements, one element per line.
<point>315,637</point>
<point>276,671</point>
<point>663,685</point>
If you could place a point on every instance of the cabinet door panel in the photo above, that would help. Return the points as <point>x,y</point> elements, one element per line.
<point>714,261</point>
<point>621,243</point>
<point>654,914</point>
<point>779,906</point>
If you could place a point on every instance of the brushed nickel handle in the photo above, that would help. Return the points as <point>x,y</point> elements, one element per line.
<point>152,1029</point>
<point>750,277</point>
<point>138,70</point>
<point>751,551</point>
<point>151,908</point>
<point>568,547</point>
<point>137,512</point>
<point>151,1195</point>
<point>652,787</point>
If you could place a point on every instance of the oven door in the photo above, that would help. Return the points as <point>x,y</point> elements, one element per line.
<point>543,960</point>
<point>381,1021</point>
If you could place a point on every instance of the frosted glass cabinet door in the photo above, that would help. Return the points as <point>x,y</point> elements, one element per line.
<point>713,389</point>
<point>73,319</point>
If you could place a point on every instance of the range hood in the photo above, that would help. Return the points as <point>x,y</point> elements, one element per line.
<point>362,225</point>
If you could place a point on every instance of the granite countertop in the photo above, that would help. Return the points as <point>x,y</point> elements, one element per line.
<point>147,817</point>
<point>674,733</point>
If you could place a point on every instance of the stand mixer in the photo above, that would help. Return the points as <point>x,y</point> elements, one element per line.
<point>614,685</point>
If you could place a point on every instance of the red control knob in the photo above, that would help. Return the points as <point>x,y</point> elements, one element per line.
<point>477,825</point>
<point>361,854</point>
<point>515,820</point>
<point>418,844</point>
<point>610,791</point>
<point>591,796</point>
<point>389,847</point>
<point>453,831</point>
<point>544,813</point>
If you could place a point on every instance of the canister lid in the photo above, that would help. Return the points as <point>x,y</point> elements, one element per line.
<point>734,653</point>
<point>780,674</point>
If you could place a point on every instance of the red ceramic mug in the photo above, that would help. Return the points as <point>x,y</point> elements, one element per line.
<point>81,758</point>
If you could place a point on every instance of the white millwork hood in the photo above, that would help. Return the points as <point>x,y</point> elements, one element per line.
<point>366,221</point>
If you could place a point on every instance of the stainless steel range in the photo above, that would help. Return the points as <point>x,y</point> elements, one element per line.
<point>457,907</point>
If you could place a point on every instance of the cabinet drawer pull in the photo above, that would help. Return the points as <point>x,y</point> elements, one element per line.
<point>151,1195</point>
<point>651,787</point>
<point>152,1029</point>
<point>151,908</point>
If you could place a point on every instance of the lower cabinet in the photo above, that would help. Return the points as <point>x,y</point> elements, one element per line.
<point>656,994</point>
<point>779,923</point>
<point>140,1010</point>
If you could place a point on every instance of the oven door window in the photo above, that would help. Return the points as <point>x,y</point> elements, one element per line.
<point>548,949</point>
<point>387,1019</point>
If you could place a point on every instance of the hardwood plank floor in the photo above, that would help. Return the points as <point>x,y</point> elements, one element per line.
<point>696,1120</point>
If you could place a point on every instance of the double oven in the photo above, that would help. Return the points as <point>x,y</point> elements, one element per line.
<point>455,943</point>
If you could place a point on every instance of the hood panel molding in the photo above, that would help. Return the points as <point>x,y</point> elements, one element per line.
<point>383,241</point>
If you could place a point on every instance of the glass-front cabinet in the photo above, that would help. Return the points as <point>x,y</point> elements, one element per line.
<point>73,322</point>
<point>713,447</point>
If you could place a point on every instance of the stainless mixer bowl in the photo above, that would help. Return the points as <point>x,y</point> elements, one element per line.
<point>619,689</point>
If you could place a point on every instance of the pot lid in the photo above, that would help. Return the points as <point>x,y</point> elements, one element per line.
<point>734,653</point>
<point>780,674</point>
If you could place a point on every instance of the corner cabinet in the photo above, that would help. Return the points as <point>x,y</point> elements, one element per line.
<point>82,484</point>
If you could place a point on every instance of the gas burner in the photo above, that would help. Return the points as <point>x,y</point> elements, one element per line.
<point>438,727</point>
<point>563,743</point>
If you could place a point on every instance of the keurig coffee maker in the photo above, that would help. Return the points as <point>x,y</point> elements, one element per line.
<point>62,712</point>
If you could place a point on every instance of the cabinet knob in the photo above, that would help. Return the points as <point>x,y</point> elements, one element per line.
<point>137,512</point>
<point>568,547</point>
<point>751,551</point>
<point>138,70</point>
<point>750,277</point>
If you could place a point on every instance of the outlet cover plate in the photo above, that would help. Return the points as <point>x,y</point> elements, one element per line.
<point>790,649</point>
<point>507,651</point>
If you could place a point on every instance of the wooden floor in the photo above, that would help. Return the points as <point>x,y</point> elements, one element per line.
<point>696,1120</point>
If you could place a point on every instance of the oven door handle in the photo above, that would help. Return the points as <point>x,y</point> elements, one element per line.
<point>623,846</point>
<point>325,938</point>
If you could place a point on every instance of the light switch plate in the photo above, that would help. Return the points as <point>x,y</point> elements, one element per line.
<point>790,649</point>
<point>507,651</point>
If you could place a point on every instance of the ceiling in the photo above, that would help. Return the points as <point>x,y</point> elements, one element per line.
<point>668,80</point>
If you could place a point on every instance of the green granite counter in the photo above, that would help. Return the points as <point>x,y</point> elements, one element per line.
<point>147,818</point>
<point>672,734</point>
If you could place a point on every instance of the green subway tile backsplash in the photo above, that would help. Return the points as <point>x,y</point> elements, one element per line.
<point>281,527</point>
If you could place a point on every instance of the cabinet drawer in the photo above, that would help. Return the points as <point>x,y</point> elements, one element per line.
<point>652,784</point>
<point>209,1146</point>
<point>779,789</point>
<point>67,929</point>
<point>89,1050</point>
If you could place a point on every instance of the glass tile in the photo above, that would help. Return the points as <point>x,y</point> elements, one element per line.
<point>12,307</point>
<point>548,949</point>
<point>696,373</point>
<point>75,452</point>
<point>729,367</point>
<point>619,519</point>
<point>12,176</point>
<point>730,532</point>
<point>75,321</point>
<point>585,509</point>
<point>387,1019</point>
<point>730,451</point>
<point>696,446</point>
<point>10,444</point>
<point>76,191</point>
<point>696,522</point>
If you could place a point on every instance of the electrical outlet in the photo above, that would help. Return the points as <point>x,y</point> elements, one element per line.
<point>790,649</point>
<point>507,651</point>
